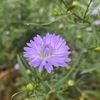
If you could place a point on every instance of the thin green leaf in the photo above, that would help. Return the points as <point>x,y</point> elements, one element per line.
<point>66,77</point>
<point>91,69</point>
<point>62,81</point>
<point>16,94</point>
<point>22,69</point>
<point>46,86</point>
<point>33,71</point>
<point>61,97</point>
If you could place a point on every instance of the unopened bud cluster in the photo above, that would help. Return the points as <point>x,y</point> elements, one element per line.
<point>30,87</point>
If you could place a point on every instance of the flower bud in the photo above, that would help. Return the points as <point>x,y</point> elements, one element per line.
<point>30,87</point>
<point>81,98</point>
<point>26,99</point>
<point>79,36</point>
<point>97,49</point>
<point>69,12</point>
<point>70,83</point>
<point>23,88</point>
<point>75,3</point>
<point>84,50</point>
<point>28,72</point>
<point>61,26</point>
<point>68,67</point>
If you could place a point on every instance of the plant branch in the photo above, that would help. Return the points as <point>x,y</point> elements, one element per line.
<point>87,9</point>
<point>32,23</point>
<point>74,13</point>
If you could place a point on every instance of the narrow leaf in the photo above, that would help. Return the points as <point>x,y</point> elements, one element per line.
<point>91,69</point>
<point>62,81</point>
<point>16,94</point>
<point>22,69</point>
<point>66,77</point>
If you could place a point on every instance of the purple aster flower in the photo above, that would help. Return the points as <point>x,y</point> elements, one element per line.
<point>16,66</point>
<point>95,12</point>
<point>96,22</point>
<point>46,52</point>
<point>52,19</point>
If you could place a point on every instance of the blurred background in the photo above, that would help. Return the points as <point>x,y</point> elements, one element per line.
<point>21,20</point>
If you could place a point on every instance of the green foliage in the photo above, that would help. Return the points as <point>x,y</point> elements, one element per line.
<point>21,20</point>
<point>23,70</point>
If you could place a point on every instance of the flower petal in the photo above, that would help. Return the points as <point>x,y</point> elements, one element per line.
<point>48,67</point>
<point>40,68</point>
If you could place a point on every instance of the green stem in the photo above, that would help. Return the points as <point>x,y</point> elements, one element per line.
<point>95,35</point>
<point>87,9</point>
<point>62,81</point>
<point>66,5</point>
<point>36,24</point>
